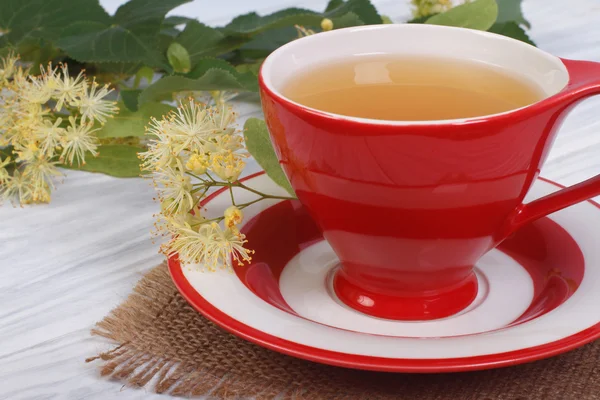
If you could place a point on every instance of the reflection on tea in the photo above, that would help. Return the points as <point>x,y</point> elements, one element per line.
<point>411,88</point>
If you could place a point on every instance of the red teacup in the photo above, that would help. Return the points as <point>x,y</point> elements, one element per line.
<point>409,207</point>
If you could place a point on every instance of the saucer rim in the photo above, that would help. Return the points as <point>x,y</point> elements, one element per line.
<point>374,363</point>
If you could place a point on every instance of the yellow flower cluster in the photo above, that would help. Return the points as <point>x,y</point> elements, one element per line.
<point>45,120</point>
<point>302,31</point>
<point>190,151</point>
<point>425,8</point>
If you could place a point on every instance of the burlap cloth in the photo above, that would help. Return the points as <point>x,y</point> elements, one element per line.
<point>165,345</point>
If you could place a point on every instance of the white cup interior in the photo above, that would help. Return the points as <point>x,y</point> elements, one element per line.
<point>531,63</point>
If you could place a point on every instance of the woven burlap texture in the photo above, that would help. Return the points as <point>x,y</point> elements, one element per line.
<point>165,345</point>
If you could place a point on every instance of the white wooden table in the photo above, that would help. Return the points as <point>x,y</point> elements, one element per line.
<point>65,265</point>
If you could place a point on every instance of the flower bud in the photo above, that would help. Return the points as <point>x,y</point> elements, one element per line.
<point>197,164</point>
<point>326,24</point>
<point>233,216</point>
<point>179,58</point>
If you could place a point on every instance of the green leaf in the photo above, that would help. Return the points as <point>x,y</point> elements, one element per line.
<point>179,58</point>
<point>213,79</point>
<point>170,33</point>
<point>386,20</point>
<point>259,145</point>
<point>175,20</point>
<point>143,73</point>
<point>347,20</point>
<point>252,23</point>
<point>480,14</point>
<point>37,51</point>
<point>121,69</point>
<point>94,42</point>
<point>420,20</point>
<point>266,42</point>
<point>45,18</point>
<point>130,98</point>
<point>510,11</point>
<point>164,41</point>
<point>209,74</point>
<point>208,63</point>
<point>333,4</point>
<point>132,123</point>
<point>365,11</point>
<point>131,37</point>
<point>361,12</point>
<point>144,18</point>
<point>117,160</point>
<point>164,88</point>
<point>6,152</point>
<point>203,41</point>
<point>252,67</point>
<point>4,51</point>
<point>511,29</point>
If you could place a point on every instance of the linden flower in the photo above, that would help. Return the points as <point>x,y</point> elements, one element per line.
<point>227,144</point>
<point>224,246</point>
<point>31,125</point>
<point>302,31</point>
<point>221,97</point>
<point>194,126</point>
<point>190,127</point>
<point>92,105</point>
<point>197,164</point>
<point>210,245</point>
<point>50,136</point>
<point>40,173</point>
<point>27,117</point>
<point>172,184</point>
<point>26,151</point>
<point>223,118</point>
<point>78,140</point>
<point>425,8</point>
<point>160,149</point>
<point>35,89</point>
<point>8,66</point>
<point>193,129</point>
<point>190,152</point>
<point>66,89</point>
<point>4,175</point>
<point>17,186</point>
<point>227,166</point>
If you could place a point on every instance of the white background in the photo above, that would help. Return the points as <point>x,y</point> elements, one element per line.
<point>65,265</point>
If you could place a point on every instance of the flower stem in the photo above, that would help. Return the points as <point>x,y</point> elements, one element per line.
<point>268,196</point>
<point>231,194</point>
<point>202,195</point>
<point>242,186</point>
<point>197,177</point>
<point>242,206</point>
<point>210,177</point>
<point>198,188</point>
<point>218,219</point>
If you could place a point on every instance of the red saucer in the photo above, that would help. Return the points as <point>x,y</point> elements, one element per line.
<point>535,300</point>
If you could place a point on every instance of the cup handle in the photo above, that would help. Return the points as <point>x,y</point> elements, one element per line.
<point>584,81</point>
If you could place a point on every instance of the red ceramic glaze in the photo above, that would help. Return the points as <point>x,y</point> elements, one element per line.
<point>409,209</point>
<point>550,255</point>
<point>546,250</point>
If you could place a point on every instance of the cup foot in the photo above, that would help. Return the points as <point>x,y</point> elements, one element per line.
<point>433,305</point>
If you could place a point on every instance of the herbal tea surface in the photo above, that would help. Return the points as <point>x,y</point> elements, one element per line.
<point>411,88</point>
